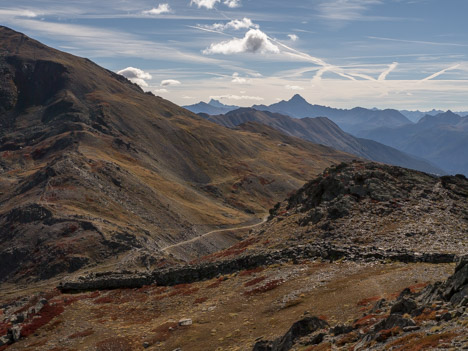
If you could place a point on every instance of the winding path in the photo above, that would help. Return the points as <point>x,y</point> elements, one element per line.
<point>216,231</point>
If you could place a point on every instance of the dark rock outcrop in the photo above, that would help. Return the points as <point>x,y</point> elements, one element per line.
<point>299,329</point>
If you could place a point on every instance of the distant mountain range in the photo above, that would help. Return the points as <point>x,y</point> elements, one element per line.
<point>415,116</point>
<point>213,107</point>
<point>352,121</point>
<point>441,139</point>
<point>321,130</point>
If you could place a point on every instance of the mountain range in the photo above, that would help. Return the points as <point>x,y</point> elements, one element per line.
<point>321,130</point>
<point>129,223</point>
<point>351,121</point>
<point>213,107</point>
<point>441,139</point>
<point>95,170</point>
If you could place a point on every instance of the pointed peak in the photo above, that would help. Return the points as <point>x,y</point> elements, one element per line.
<point>216,103</point>
<point>297,98</point>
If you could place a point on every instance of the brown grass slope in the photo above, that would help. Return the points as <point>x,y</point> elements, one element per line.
<point>93,168</point>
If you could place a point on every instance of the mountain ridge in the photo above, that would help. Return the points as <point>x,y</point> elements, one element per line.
<point>94,169</point>
<point>323,131</point>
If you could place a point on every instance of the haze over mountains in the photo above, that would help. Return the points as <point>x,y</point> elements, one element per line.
<point>437,137</point>
<point>321,130</point>
<point>441,139</point>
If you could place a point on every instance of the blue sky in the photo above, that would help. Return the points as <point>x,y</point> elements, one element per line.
<point>406,54</point>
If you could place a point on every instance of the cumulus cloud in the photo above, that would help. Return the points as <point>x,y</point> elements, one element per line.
<point>236,24</point>
<point>254,41</point>
<point>236,97</point>
<point>170,82</point>
<point>294,87</point>
<point>136,75</point>
<point>293,37</point>
<point>209,4</point>
<point>160,91</point>
<point>236,79</point>
<point>232,3</point>
<point>162,8</point>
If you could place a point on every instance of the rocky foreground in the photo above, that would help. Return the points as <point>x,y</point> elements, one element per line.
<point>435,317</point>
<point>353,260</point>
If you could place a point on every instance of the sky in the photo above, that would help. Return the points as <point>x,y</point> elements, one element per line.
<point>404,54</point>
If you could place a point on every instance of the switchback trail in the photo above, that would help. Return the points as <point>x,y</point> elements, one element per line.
<point>216,231</point>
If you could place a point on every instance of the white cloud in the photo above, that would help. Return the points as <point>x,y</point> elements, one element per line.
<point>385,73</point>
<point>234,24</point>
<point>254,41</point>
<point>18,13</point>
<point>236,79</point>
<point>160,91</point>
<point>162,8</point>
<point>209,4</point>
<point>136,75</point>
<point>232,3</point>
<point>294,87</point>
<point>345,10</point>
<point>293,37</point>
<point>170,82</point>
<point>236,97</point>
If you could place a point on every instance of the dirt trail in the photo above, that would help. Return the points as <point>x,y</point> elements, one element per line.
<point>216,231</point>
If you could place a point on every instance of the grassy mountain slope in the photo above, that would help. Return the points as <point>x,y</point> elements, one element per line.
<point>93,169</point>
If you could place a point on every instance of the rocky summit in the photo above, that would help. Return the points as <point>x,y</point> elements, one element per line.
<point>375,206</point>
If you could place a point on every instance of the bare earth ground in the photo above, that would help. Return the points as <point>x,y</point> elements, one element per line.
<point>229,312</point>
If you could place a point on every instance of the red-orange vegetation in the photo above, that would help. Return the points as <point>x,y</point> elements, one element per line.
<point>47,313</point>
<point>367,301</point>
<point>4,328</point>
<point>325,346</point>
<point>273,284</point>
<point>426,315</point>
<point>82,334</point>
<point>104,299</point>
<point>365,321</point>
<point>347,339</point>
<point>216,283</point>
<point>200,300</point>
<point>418,287</point>
<point>419,341</point>
<point>190,291</point>
<point>248,272</point>
<point>255,281</point>
<point>182,286</point>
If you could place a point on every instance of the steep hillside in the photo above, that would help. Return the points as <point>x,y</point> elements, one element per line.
<point>441,139</point>
<point>352,121</point>
<point>95,170</point>
<point>321,130</point>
